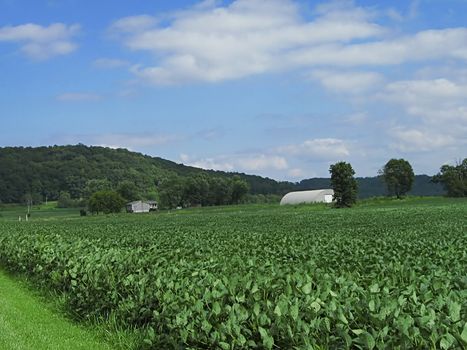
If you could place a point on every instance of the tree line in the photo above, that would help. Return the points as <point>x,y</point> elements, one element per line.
<point>398,176</point>
<point>71,174</point>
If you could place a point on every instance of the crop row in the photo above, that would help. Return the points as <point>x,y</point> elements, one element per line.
<point>300,279</point>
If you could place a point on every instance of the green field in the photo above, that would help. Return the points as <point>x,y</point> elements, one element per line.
<point>385,274</point>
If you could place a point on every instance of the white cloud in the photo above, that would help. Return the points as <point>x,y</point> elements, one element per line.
<point>238,162</point>
<point>41,42</point>
<point>348,82</point>
<point>416,140</point>
<point>213,43</point>
<point>327,149</point>
<point>133,24</point>
<point>109,63</point>
<point>438,111</point>
<point>423,46</point>
<point>247,37</point>
<point>78,97</point>
<point>436,101</point>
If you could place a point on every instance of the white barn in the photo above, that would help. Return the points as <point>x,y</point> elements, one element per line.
<point>313,196</point>
<point>141,206</point>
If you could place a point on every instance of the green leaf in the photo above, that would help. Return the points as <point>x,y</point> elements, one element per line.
<point>342,318</point>
<point>374,288</point>
<point>316,306</point>
<point>224,346</point>
<point>294,311</point>
<point>464,333</point>
<point>268,341</point>
<point>256,309</point>
<point>206,326</point>
<point>369,340</point>
<point>357,331</point>
<point>216,308</point>
<point>447,341</point>
<point>277,311</point>
<point>307,288</point>
<point>454,311</point>
<point>371,305</point>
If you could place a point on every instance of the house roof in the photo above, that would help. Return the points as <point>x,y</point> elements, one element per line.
<point>140,202</point>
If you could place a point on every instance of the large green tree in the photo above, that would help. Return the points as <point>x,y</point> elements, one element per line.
<point>453,178</point>
<point>128,190</point>
<point>398,176</point>
<point>171,191</point>
<point>239,189</point>
<point>106,202</point>
<point>344,184</point>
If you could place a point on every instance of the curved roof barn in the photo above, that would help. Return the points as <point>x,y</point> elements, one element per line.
<point>313,196</point>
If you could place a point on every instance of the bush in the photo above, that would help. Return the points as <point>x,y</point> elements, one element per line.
<point>106,202</point>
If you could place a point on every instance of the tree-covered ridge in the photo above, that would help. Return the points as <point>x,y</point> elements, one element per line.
<point>44,172</point>
<point>41,172</point>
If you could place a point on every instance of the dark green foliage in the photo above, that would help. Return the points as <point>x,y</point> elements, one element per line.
<point>96,185</point>
<point>65,201</point>
<point>128,191</point>
<point>398,176</point>
<point>239,189</point>
<point>280,278</point>
<point>375,187</point>
<point>81,171</point>
<point>454,179</point>
<point>106,202</point>
<point>344,184</point>
<point>171,192</point>
<point>201,190</point>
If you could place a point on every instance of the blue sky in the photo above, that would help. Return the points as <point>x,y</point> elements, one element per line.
<point>279,88</point>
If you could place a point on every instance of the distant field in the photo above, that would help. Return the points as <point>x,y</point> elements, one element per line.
<point>386,274</point>
<point>42,211</point>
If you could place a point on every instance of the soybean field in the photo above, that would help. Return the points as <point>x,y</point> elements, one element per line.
<point>303,277</point>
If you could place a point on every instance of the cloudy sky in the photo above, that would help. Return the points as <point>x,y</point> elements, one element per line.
<point>281,88</point>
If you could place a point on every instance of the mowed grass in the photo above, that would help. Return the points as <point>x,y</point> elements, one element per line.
<point>27,323</point>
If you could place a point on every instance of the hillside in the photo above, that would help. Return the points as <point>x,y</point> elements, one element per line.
<point>45,171</point>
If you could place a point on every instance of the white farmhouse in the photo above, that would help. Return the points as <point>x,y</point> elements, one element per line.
<point>141,206</point>
<point>313,196</point>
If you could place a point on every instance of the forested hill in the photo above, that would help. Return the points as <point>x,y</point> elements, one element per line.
<point>46,171</point>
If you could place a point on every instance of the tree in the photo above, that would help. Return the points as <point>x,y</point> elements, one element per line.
<point>128,190</point>
<point>453,178</point>
<point>239,189</point>
<point>220,191</point>
<point>344,184</point>
<point>96,185</point>
<point>106,201</point>
<point>64,200</point>
<point>171,192</point>
<point>196,190</point>
<point>398,176</point>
